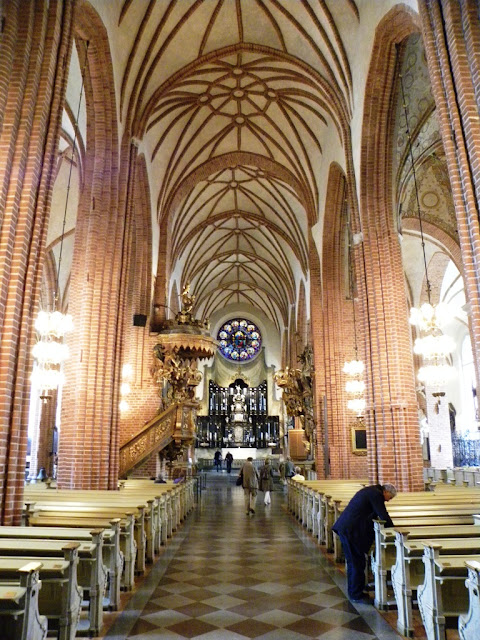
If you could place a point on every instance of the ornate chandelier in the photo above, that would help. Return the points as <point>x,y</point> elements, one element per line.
<point>50,352</point>
<point>353,369</point>
<point>432,345</point>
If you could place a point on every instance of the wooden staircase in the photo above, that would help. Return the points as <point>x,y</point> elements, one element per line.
<point>177,423</point>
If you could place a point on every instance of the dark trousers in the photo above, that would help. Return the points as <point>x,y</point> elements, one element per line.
<point>356,563</point>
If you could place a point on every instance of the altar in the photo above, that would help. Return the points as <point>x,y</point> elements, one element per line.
<point>238,418</point>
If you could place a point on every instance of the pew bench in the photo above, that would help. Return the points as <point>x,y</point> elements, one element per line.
<point>408,572</point>
<point>19,615</point>
<point>384,553</point>
<point>443,593</point>
<point>60,598</point>
<point>128,545</point>
<point>112,554</point>
<point>91,574</point>
<point>469,623</point>
<point>111,500</point>
<point>91,511</point>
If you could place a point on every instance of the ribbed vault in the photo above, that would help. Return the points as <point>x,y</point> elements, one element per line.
<point>263,79</point>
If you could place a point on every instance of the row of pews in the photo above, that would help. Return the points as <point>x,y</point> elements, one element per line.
<point>430,558</point>
<point>460,476</point>
<point>78,550</point>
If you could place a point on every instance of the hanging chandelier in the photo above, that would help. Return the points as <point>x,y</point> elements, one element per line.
<point>432,344</point>
<point>50,351</point>
<point>353,369</point>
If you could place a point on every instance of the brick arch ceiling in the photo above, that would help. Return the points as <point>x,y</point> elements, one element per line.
<point>205,79</point>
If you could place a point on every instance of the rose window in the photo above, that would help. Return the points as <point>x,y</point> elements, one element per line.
<point>239,340</point>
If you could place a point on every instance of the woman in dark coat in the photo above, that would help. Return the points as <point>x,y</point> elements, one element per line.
<point>266,480</point>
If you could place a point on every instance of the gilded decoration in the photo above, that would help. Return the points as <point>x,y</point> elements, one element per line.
<point>157,432</point>
<point>181,343</point>
<point>297,388</point>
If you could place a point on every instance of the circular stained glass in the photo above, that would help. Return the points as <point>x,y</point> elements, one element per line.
<point>239,340</point>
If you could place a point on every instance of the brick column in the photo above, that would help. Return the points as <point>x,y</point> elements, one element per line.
<point>316,327</point>
<point>36,45</point>
<point>393,437</point>
<point>89,437</point>
<point>451,32</point>
<point>339,330</point>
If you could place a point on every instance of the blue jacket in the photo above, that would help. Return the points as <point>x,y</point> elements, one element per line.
<point>356,521</point>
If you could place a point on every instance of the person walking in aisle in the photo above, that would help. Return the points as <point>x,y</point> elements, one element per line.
<point>217,460</point>
<point>266,481</point>
<point>250,485</point>
<point>356,532</point>
<point>289,468</point>
<point>229,460</point>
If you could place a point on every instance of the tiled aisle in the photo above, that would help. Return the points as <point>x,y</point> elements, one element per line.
<point>228,576</point>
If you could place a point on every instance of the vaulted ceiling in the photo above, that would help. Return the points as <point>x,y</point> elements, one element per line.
<point>232,101</point>
<point>240,107</point>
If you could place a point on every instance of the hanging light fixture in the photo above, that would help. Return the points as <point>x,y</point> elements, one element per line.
<point>432,345</point>
<point>355,386</point>
<point>50,352</point>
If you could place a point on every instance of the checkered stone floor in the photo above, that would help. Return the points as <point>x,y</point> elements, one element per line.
<point>230,576</point>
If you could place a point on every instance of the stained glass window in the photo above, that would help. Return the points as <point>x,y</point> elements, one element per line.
<point>239,340</point>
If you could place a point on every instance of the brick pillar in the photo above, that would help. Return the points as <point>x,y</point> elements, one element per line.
<point>393,438</point>
<point>318,355</point>
<point>339,330</point>
<point>89,438</point>
<point>36,46</point>
<point>451,32</point>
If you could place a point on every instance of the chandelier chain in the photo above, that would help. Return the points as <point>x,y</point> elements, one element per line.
<point>57,281</point>
<point>417,197</point>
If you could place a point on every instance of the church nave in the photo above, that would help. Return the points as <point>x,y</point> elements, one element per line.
<point>226,576</point>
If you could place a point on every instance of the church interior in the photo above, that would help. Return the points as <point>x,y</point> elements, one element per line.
<point>247,227</point>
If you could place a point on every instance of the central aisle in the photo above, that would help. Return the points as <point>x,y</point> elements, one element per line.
<point>228,576</point>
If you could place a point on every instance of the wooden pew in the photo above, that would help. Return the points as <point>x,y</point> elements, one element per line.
<point>19,615</point>
<point>60,598</point>
<point>128,545</point>
<point>91,573</point>
<point>165,506</point>
<point>57,507</point>
<point>408,573</point>
<point>383,555</point>
<point>443,593</point>
<point>112,555</point>
<point>469,623</point>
